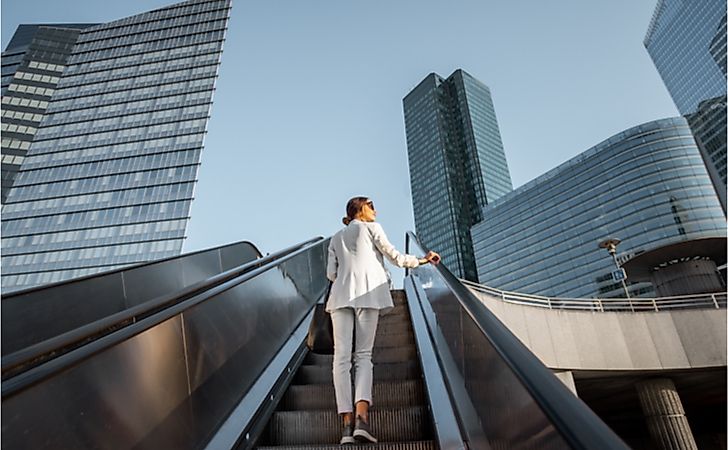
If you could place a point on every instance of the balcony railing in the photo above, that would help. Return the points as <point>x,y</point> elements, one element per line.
<point>715,300</point>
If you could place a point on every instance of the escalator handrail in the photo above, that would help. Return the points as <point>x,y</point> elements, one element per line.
<point>66,360</point>
<point>36,354</point>
<point>577,424</point>
<point>42,287</point>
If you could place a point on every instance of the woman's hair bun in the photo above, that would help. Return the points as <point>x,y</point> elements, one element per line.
<point>353,207</point>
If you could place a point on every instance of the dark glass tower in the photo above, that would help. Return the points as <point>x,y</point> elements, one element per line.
<point>687,42</point>
<point>109,176</point>
<point>31,68</point>
<point>456,161</point>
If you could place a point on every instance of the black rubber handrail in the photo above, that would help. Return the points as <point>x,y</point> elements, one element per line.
<point>66,360</point>
<point>36,354</point>
<point>120,269</point>
<point>577,424</point>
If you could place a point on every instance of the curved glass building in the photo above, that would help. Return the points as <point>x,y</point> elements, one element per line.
<point>647,186</point>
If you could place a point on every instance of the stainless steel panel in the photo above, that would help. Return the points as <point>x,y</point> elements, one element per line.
<point>251,319</point>
<point>317,258</point>
<point>147,282</point>
<point>36,316</point>
<point>507,413</point>
<point>202,266</point>
<point>447,430</point>
<point>518,402</point>
<point>111,400</point>
<point>236,254</point>
<point>233,337</point>
<point>39,314</point>
<point>174,384</point>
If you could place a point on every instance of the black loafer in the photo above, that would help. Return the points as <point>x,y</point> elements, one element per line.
<point>362,431</point>
<point>347,437</point>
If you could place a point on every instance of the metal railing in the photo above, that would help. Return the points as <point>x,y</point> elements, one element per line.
<point>504,397</point>
<point>34,315</point>
<point>36,354</point>
<point>172,376</point>
<point>715,300</point>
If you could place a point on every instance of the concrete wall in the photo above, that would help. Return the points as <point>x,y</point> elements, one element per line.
<point>582,340</point>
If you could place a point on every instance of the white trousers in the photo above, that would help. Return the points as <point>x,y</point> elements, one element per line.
<point>350,323</point>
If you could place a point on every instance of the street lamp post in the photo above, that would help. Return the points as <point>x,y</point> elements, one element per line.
<point>611,245</point>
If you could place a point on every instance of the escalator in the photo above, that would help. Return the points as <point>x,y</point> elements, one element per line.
<point>164,371</point>
<point>220,363</point>
<point>306,416</point>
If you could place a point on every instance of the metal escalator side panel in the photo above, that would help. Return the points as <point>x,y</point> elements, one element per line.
<point>491,401</point>
<point>24,359</point>
<point>172,384</point>
<point>445,423</point>
<point>37,314</point>
<point>250,416</point>
<point>518,402</point>
<point>94,402</point>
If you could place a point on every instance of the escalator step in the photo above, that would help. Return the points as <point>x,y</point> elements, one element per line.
<point>384,355</point>
<point>399,297</point>
<point>382,342</point>
<point>407,370</point>
<point>321,396</point>
<point>324,427</point>
<point>394,340</point>
<point>394,318</point>
<point>397,310</point>
<point>381,355</point>
<point>394,327</point>
<point>415,445</point>
<point>397,324</point>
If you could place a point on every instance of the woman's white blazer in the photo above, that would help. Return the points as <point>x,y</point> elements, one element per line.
<point>356,267</point>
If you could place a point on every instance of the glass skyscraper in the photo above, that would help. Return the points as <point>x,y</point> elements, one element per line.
<point>42,52</point>
<point>646,186</point>
<point>456,162</point>
<point>687,42</point>
<point>109,176</point>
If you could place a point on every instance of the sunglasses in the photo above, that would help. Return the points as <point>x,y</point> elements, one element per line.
<point>370,204</point>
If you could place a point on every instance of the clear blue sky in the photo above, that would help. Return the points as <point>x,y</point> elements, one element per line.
<point>308,108</point>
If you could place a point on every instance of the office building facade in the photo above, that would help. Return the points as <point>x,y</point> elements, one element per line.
<point>687,43</point>
<point>42,52</point>
<point>646,186</point>
<point>109,176</point>
<point>456,161</point>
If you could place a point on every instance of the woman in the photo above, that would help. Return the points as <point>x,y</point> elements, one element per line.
<point>359,292</point>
